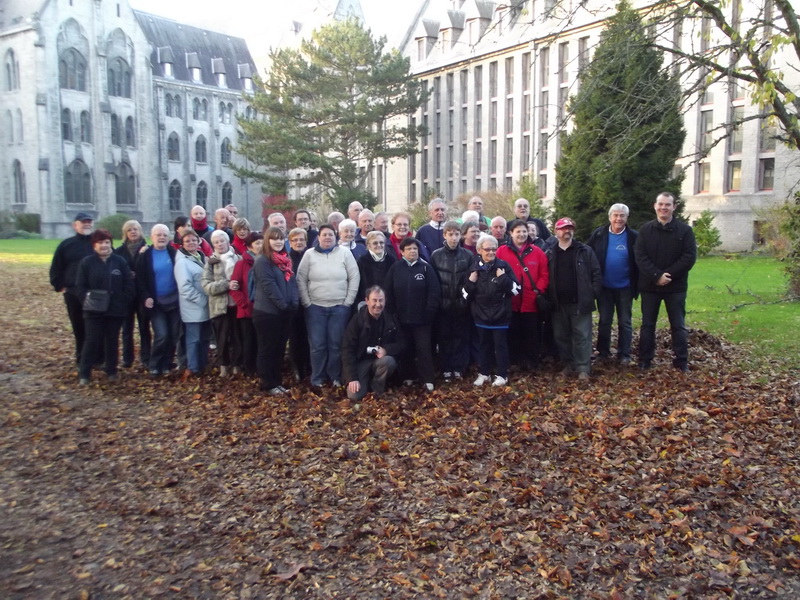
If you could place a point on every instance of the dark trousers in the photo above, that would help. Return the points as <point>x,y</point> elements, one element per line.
<point>494,351</point>
<point>609,301</point>
<point>452,337</point>
<point>524,339</point>
<point>102,340</point>
<point>75,314</point>
<point>273,333</point>
<point>249,345</point>
<point>166,330</point>
<point>299,350</point>
<point>226,333</point>
<point>675,303</point>
<point>421,350</point>
<point>145,341</point>
<point>372,376</point>
<point>573,335</point>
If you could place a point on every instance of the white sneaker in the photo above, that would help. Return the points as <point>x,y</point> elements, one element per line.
<point>447,375</point>
<point>429,387</point>
<point>481,379</point>
<point>499,381</point>
<point>408,382</point>
<point>457,374</point>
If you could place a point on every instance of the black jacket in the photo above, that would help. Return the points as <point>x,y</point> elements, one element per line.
<point>274,294</point>
<point>413,293</point>
<point>113,275</point>
<point>373,272</point>
<point>364,331</point>
<point>490,296</point>
<point>660,249</point>
<point>67,257</point>
<point>146,277</point>
<point>590,279</point>
<point>453,268</point>
<point>598,242</point>
<point>122,250</point>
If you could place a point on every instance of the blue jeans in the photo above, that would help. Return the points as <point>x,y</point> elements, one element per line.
<point>326,325</point>
<point>610,300</point>
<point>166,328</point>
<point>197,336</point>
<point>573,335</point>
<point>675,303</point>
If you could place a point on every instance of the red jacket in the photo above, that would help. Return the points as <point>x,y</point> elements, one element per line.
<point>536,261</point>
<point>241,273</point>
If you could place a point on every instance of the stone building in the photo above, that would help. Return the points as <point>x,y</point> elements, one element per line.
<point>106,110</point>
<point>501,74</point>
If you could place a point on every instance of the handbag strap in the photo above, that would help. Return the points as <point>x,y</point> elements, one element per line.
<point>527,272</point>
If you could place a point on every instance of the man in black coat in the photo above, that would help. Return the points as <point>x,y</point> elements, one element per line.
<point>614,247</point>
<point>64,270</point>
<point>372,340</point>
<point>665,253</point>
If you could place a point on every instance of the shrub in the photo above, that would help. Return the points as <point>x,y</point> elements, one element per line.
<point>31,222</point>
<point>19,235</point>
<point>114,224</point>
<point>706,235</point>
<point>782,233</point>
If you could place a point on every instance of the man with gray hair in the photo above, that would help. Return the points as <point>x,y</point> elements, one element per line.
<point>354,209</point>
<point>432,233</point>
<point>221,219</point>
<point>366,223</point>
<point>613,245</point>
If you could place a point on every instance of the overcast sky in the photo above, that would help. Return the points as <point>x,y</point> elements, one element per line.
<point>264,23</point>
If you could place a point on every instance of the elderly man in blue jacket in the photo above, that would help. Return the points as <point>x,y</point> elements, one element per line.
<point>613,245</point>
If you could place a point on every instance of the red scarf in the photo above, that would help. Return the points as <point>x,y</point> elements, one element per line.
<point>200,225</point>
<point>239,245</point>
<point>396,243</point>
<point>284,263</point>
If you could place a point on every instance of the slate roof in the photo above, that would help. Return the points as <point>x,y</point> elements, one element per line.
<point>187,45</point>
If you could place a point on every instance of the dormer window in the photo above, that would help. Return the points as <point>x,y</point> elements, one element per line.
<point>166,61</point>
<point>218,68</point>
<point>193,64</point>
<point>246,76</point>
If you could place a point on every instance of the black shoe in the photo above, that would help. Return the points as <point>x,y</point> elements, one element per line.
<point>644,365</point>
<point>127,364</point>
<point>155,373</point>
<point>682,368</point>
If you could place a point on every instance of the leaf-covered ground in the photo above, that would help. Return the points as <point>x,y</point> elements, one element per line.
<point>635,485</point>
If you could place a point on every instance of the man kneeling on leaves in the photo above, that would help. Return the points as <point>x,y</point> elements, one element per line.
<point>372,340</point>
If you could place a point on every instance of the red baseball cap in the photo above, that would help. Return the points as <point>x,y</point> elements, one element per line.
<point>564,223</point>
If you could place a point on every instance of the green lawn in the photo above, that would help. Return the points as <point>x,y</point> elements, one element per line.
<point>738,297</point>
<point>741,298</point>
<point>29,252</point>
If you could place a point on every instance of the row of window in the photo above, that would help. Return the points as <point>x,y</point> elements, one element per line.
<point>72,74</point>
<point>765,177</point>
<point>201,194</point>
<point>118,129</point>
<point>173,107</point>
<point>78,184</point>
<point>200,149</point>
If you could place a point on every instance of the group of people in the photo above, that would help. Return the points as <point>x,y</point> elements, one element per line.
<point>362,298</point>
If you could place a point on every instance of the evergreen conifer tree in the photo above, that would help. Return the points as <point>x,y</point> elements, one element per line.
<point>628,130</point>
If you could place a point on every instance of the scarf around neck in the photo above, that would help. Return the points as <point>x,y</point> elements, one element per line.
<point>284,263</point>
